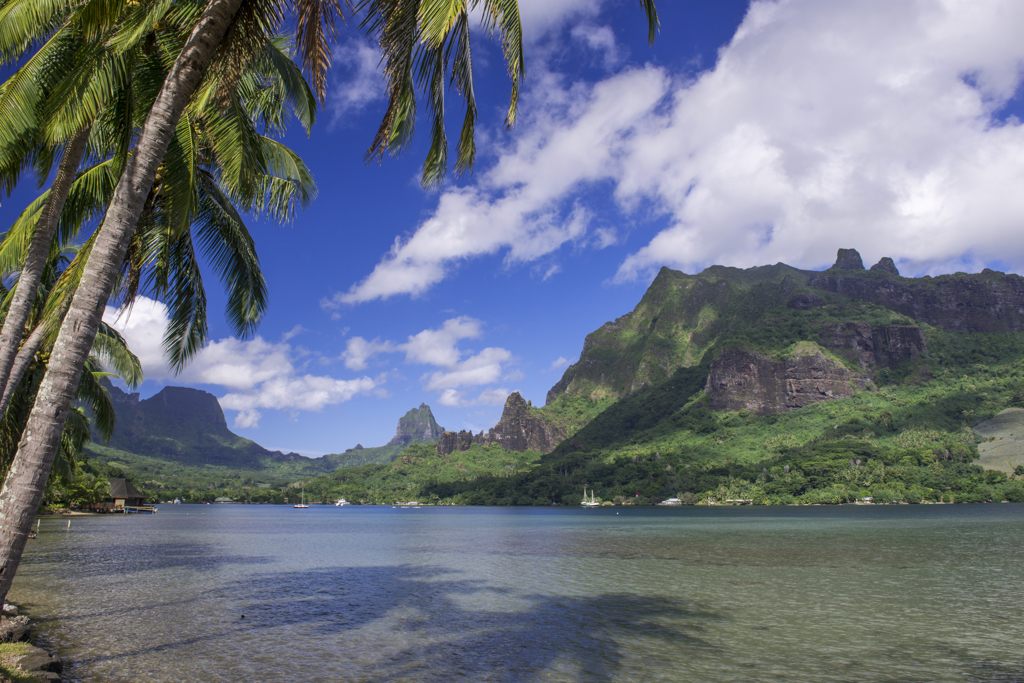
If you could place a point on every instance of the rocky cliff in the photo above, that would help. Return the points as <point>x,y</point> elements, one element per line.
<point>417,426</point>
<point>741,379</point>
<point>520,428</point>
<point>988,301</point>
<point>862,315</point>
<point>875,347</point>
<point>184,425</point>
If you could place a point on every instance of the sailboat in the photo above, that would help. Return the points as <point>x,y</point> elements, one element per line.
<point>303,503</point>
<point>592,503</point>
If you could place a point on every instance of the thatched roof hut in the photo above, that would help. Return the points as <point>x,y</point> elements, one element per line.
<point>123,494</point>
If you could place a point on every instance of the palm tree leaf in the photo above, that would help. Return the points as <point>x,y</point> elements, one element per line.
<point>288,181</point>
<point>231,251</point>
<point>653,23</point>
<point>437,18</point>
<point>432,76</point>
<point>315,24</point>
<point>111,347</point>
<point>186,302</point>
<point>504,15</point>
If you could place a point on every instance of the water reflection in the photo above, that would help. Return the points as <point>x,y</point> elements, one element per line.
<point>474,643</point>
<point>264,595</point>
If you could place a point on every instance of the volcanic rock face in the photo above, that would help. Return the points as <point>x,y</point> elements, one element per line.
<point>417,425</point>
<point>520,428</point>
<point>875,347</point>
<point>183,424</point>
<point>746,380</point>
<point>848,259</point>
<point>671,327</point>
<point>886,265</point>
<point>989,301</point>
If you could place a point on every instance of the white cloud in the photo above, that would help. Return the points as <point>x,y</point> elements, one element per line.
<point>559,362</point>
<point>259,373</point>
<point>600,39</point>
<point>481,368</point>
<point>516,206</point>
<point>539,17</point>
<point>489,397</point>
<point>839,124</point>
<point>292,333</point>
<point>143,328</point>
<point>365,82</point>
<point>358,351</point>
<point>492,397</point>
<point>295,392</point>
<point>868,124</point>
<point>440,348</point>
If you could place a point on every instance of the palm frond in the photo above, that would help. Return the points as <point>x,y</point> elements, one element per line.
<point>316,23</point>
<point>95,396</point>
<point>113,350</point>
<point>503,15</point>
<point>231,251</point>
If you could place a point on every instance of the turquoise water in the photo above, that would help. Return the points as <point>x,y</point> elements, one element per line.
<point>894,593</point>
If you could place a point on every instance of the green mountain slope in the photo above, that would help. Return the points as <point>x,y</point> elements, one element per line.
<point>177,444</point>
<point>769,384</point>
<point>779,385</point>
<point>415,427</point>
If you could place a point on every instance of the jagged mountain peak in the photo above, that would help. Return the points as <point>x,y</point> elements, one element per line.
<point>417,426</point>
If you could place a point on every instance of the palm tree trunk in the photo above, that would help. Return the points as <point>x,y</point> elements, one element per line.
<point>23,490</point>
<point>38,251</point>
<point>21,363</point>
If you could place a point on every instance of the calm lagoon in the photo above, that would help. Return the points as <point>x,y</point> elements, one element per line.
<point>895,593</point>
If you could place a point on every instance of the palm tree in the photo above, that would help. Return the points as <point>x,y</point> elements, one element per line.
<point>97,81</point>
<point>200,180</point>
<point>109,349</point>
<point>427,34</point>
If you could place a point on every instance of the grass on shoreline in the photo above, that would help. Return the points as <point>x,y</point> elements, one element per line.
<point>9,652</point>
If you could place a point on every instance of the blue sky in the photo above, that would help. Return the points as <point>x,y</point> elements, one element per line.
<point>750,133</point>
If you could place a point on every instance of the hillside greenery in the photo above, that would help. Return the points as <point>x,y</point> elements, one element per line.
<point>908,437</point>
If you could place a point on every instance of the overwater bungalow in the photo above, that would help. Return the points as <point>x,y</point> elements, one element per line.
<point>122,494</point>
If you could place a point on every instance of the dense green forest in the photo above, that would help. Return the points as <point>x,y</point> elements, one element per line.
<point>638,423</point>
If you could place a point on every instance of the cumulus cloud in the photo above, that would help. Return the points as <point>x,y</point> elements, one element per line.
<point>293,392</point>
<point>364,82</point>
<point>488,397</point>
<point>292,333</point>
<point>358,351</point>
<point>873,124</point>
<point>440,348</point>
<point>600,39</point>
<point>840,124</point>
<point>481,368</point>
<point>561,361</point>
<point>143,327</point>
<point>260,374</point>
<point>517,205</point>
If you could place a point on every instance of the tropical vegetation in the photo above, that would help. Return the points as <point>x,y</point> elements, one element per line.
<point>106,56</point>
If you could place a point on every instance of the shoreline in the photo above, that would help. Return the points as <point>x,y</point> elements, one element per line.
<point>21,657</point>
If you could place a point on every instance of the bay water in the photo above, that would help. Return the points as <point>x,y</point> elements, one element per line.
<point>361,593</point>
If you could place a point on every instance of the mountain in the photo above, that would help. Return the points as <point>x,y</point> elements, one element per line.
<point>178,442</point>
<point>521,428</point>
<point>769,384</point>
<point>187,426</point>
<point>777,384</point>
<point>416,426</point>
